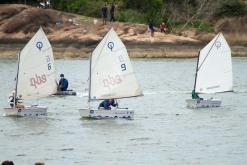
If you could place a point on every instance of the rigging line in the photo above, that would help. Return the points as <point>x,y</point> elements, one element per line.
<point>208,53</point>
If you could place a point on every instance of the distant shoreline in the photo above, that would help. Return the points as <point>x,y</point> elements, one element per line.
<point>72,49</point>
<point>75,36</point>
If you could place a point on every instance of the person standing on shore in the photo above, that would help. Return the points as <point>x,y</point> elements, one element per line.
<point>151,27</point>
<point>112,13</point>
<point>104,12</point>
<point>162,27</point>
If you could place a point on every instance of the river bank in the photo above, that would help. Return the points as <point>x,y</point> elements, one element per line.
<point>136,50</point>
<point>75,36</point>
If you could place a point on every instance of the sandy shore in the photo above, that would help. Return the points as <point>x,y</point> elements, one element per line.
<point>75,36</point>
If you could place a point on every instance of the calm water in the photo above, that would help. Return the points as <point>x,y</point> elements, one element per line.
<point>164,131</point>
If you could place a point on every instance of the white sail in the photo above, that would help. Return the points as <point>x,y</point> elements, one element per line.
<point>36,76</point>
<point>112,75</point>
<point>214,71</point>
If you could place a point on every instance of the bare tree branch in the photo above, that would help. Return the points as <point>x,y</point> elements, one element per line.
<point>194,16</point>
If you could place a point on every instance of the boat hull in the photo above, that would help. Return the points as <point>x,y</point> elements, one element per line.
<point>104,114</point>
<point>26,111</point>
<point>206,103</point>
<point>64,93</point>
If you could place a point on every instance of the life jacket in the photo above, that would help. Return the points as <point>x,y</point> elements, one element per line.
<point>63,83</point>
<point>101,104</point>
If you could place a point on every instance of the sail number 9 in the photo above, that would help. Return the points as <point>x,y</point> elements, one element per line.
<point>123,66</point>
<point>121,60</point>
<point>38,80</point>
<point>48,60</point>
<point>112,80</point>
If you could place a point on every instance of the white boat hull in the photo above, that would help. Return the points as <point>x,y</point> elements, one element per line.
<point>104,114</point>
<point>206,103</point>
<point>27,111</point>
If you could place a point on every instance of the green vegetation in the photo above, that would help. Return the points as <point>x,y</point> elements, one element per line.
<point>232,8</point>
<point>130,15</point>
<point>177,14</point>
<point>202,26</point>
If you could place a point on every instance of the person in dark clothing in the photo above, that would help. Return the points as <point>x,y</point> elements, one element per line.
<point>195,95</point>
<point>39,163</point>
<point>151,27</point>
<point>112,13</point>
<point>63,83</point>
<point>7,162</point>
<point>106,104</point>
<point>104,12</point>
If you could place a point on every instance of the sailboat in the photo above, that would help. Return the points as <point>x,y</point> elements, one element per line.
<point>213,72</point>
<point>111,76</point>
<point>36,75</point>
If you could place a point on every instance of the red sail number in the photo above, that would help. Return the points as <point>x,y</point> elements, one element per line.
<point>38,80</point>
<point>111,81</point>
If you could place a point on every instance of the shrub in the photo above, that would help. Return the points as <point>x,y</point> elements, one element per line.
<point>232,8</point>
<point>202,26</point>
<point>131,16</point>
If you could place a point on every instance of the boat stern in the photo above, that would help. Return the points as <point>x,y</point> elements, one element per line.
<point>104,114</point>
<point>206,103</point>
<point>32,110</point>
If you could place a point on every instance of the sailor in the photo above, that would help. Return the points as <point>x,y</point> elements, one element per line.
<point>106,104</point>
<point>18,103</point>
<point>195,95</point>
<point>63,83</point>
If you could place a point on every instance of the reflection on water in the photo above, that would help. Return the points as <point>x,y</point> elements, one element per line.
<point>164,131</point>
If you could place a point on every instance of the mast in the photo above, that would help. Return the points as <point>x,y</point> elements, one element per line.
<point>196,70</point>
<point>17,79</point>
<point>90,71</point>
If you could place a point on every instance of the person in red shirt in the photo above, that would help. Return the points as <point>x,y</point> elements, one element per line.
<point>162,27</point>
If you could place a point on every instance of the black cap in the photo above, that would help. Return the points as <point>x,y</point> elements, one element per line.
<point>62,75</point>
